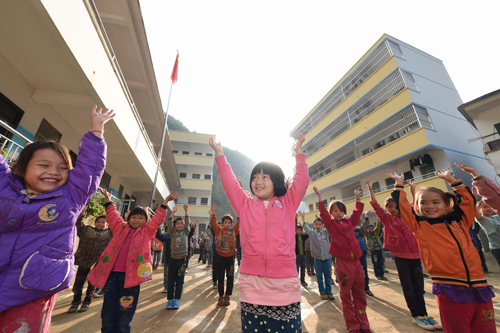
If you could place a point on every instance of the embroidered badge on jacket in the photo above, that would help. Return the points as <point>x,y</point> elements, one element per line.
<point>47,214</point>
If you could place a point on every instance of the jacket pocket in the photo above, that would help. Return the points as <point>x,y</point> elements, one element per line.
<point>45,269</point>
<point>392,240</point>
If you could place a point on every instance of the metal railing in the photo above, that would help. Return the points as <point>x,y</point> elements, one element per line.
<point>378,57</point>
<point>392,129</point>
<point>9,148</point>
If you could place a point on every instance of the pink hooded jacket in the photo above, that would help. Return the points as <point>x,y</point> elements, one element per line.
<point>489,191</point>
<point>267,235</point>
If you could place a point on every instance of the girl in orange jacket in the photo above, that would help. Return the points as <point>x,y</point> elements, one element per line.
<point>440,222</point>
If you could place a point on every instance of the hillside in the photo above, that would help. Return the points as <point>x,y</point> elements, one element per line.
<point>242,167</point>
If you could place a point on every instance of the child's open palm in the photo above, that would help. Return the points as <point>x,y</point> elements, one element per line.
<point>300,141</point>
<point>172,196</point>
<point>399,178</point>
<point>470,170</point>
<point>446,175</point>
<point>369,184</point>
<point>217,148</point>
<point>302,214</point>
<point>99,117</point>
<point>107,195</point>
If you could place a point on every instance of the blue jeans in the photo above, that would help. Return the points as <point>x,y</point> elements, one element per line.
<point>362,259</point>
<point>496,254</point>
<point>322,268</point>
<point>119,304</point>
<point>378,262</point>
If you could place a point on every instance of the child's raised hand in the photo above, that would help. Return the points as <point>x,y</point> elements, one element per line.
<point>172,196</point>
<point>369,184</point>
<point>212,210</point>
<point>174,210</point>
<point>195,222</point>
<point>302,214</point>
<point>217,148</point>
<point>315,189</point>
<point>185,206</point>
<point>475,192</point>
<point>99,118</point>
<point>300,141</point>
<point>358,192</point>
<point>470,170</point>
<point>127,213</point>
<point>446,175</point>
<point>400,179</point>
<point>368,212</point>
<point>107,195</point>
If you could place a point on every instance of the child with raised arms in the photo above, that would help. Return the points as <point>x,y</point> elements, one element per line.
<point>270,288</point>
<point>40,201</point>
<point>441,221</point>
<point>345,248</point>
<point>320,242</point>
<point>404,248</point>
<point>126,263</point>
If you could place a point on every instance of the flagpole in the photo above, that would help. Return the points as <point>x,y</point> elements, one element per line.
<point>162,142</point>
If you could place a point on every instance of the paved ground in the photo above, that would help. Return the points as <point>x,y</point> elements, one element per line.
<point>387,311</point>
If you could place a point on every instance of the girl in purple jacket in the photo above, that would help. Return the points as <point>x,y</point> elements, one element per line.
<point>40,201</point>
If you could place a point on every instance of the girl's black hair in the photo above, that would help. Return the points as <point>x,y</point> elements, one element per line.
<point>225,217</point>
<point>318,219</point>
<point>340,205</point>
<point>138,211</point>
<point>388,201</point>
<point>177,219</point>
<point>26,154</point>
<point>276,174</point>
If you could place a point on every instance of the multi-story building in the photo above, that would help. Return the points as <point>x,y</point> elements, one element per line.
<point>58,59</point>
<point>484,114</point>
<point>195,163</point>
<point>395,110</point>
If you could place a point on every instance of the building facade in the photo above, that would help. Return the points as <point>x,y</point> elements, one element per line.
<point>194,158</point>
<point>58,59</point>
<point>484,114</point>
<point>394,111</point>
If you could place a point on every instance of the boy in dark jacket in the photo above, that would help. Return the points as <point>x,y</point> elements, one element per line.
<point>93,241</point>
<point>300,252</point>
<point>474,235</point>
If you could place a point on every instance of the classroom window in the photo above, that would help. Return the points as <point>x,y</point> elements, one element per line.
<point>376,187</point>
<point>196,176</point>
<point>105,180</point>
<point>47,132</point>
<point>210,154</point>
<point>317,206</point>
<point>333,198</point>
<point>182,175</point>
<point>204,201</point>
<point>427,170</point>
<point>208,177</point>
<point>120,192</point>
<point>311,207</point>
<point>175,151</point>
<point>192,201</point>
<point>185,152</point>
<point>198,154</point>
<point>389,181</point>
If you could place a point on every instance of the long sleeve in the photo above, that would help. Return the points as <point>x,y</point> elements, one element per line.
<point>156,221</point>
<point>307,228</point>
<point>161,236</point>
<point>295,193</point>
<point>356,213</point>
<point>187,225</point>
<point>364,226</point>
<point>234,192</point>
<point>383,216</point>
<point>489,192</point>
<point>404,207</point>
<point>325,216</point>
<point>80,226</point>
<point>236,227</point>
<point>113,218</point>
<point>467,203</point>
<point>170,225</point>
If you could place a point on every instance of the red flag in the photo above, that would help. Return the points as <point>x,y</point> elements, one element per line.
<point>173,77</point>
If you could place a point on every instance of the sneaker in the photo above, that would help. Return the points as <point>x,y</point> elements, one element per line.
<point>215,286</point>
<point>304,284</point>
<point>165,290</point>
<point>323,295</point>
<point>84,308</point>
<point>170,304</point>
<point>330,295</point>
<point>73,308</point>
<point>186,271</point>
<point>177,303</point>
<point>381,278</point>
<point>488,272</point>
<point>368,292</point>
<point>422,323</point>
<point>100,293</point>
<point>434,323</point>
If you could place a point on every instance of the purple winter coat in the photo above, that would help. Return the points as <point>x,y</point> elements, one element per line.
<point>37,235</point>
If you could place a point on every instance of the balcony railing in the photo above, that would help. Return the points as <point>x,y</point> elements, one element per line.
<point>395,127</point>
<point>9,148</point>
<point>378,57</point>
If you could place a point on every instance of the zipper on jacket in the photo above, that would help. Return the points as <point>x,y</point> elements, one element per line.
<point>265,256</point>
<point>461,253</point>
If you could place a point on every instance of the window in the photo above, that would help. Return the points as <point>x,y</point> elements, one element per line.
<point>409,80</point>
<point>47,132</point>
<point>198,154</point>
<point>427,171</point>
<point>185,152</point>
<point>423,117</point>
<point>9,113</point>
<point>105,180</point>
<point>74,157</point>
<point>333,198</point>
<point>192,201</point>
<point>208,177</point>
<point>317,206</point>
<point>389,182</point>
<point>396,50</point>
<point>311,207</point>
<point>204,201</point>
<point>325,202</point>
<point>210,154</point>
<point>120,192</point>
<point>196,176</point>
<point>497,127</point>
<point>408,175</point>
<point>376,187</point>
<point>182,175</point>
<point>175,151</point>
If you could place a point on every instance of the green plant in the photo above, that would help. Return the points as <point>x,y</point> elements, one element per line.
<point>95,205</point>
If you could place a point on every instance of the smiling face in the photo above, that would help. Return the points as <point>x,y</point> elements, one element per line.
<point>432,205</point>
<point>179,224</point>
<point>391,208</point>
<point>337,213</point>
<point>485,210</point>
<point>371,229</point>
<point>318,225</point>
<point>299,231</point>
<point>262,186</point>
<point>136,221</point>
<point>100,223</point>
<point>227,223</point>
<point>45,171</point>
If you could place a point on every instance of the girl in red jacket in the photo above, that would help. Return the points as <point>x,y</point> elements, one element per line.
<point>270,289</point>
<point>345,248</point>
<point>126,263</point>
<point>441,221</point>
<point>404,248</point>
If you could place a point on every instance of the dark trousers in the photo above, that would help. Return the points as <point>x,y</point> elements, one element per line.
<point>176,272</point>
<point>119,304</point>
<point>496,254</point>
<point>202,255</point>
<point>187,260</point>
<point>301,264</point>
<point>483,260</point>
<point>156,257</point>
<point>310,265</point>
<point>80,278</point>
<point>166,260</point>
<point>362,259</point>
<point>226,269</point>
<point>378,262</point>
<point>412,281</point>
<point>238,256</point>
<point>215,263</point>
<point>251,323</point>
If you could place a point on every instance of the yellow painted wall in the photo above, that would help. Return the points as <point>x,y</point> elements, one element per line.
<point>190,137</point>
<point>381,196</point>
<point>196,184</point>
<point>193,211</point>
<point>190,159</point>
<point>405,145</point>
<point>388,109</point>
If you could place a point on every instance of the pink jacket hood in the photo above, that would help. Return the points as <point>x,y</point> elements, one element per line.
<point>267,235</point>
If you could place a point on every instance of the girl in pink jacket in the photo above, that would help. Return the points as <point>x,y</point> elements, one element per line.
<point>126,263</point>
<point>270,288</point>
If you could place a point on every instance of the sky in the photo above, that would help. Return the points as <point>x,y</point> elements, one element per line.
<point>249,72</point>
